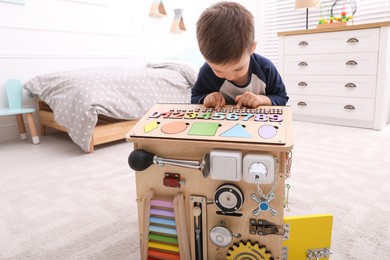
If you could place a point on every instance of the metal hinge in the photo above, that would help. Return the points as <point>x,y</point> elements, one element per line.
<point>318,253</point>
<point>286,235</point>
<point>285,253</point>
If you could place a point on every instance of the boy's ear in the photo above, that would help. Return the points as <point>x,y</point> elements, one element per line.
<point>252,50</point>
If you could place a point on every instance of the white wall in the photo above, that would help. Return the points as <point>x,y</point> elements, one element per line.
<point>44,36</point>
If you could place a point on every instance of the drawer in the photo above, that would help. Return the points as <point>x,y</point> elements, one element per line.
<point>338,64</point>
<point>333,107</point>
<point>366,40</point>
<point>331,85</point>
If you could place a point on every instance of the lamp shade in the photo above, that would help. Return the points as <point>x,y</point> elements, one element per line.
<point>306,3</point>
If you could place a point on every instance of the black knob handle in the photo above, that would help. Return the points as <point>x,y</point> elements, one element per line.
<point>140,160</point>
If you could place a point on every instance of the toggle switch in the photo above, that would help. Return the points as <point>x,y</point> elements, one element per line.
<point>225,165</point>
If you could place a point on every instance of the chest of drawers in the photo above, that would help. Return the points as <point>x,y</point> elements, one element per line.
<point>338,76</point>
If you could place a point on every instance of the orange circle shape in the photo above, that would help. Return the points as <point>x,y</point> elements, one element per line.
<point>173,128</point>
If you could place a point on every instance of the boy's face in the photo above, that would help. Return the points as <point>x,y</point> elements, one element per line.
<point>236,72</point>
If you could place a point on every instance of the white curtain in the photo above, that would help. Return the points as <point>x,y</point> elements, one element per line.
<point>280,16</point>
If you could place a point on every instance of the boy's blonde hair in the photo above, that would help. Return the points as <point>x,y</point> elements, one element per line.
<point>225,31</point>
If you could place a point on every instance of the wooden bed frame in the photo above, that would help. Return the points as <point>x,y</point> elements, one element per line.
<point>107,129</point>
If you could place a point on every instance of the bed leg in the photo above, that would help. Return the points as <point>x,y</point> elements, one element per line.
<point>42,129</point>
<point>91,146</point>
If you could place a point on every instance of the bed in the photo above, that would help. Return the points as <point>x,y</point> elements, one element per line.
<point>99,105</point>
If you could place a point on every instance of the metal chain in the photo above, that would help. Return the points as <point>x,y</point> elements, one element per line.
<point>272,191</point>
<point>286,192</point>
<point>287,164</point>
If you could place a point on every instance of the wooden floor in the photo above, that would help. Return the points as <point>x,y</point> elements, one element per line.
<point>57,202</point>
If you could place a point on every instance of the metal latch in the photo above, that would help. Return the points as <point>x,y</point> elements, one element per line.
<point>263,227</point>
<point>318,253</point>
<point>172,180</point>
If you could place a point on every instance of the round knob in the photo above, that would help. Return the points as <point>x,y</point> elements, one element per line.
<point>196,211</point>
<point>140,160</point>
<point>220,236</point>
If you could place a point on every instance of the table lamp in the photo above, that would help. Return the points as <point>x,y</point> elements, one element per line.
<point>299,4</point>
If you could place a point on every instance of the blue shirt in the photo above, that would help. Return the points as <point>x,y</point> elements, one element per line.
<point>264,79</point>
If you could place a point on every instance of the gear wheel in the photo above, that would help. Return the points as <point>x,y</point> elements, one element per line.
<point>248,251</point>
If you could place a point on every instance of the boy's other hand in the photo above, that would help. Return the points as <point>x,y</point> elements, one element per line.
<point>249,99</point>
<point>215,100</point>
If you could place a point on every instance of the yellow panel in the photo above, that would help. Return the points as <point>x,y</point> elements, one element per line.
<point>308,232</point>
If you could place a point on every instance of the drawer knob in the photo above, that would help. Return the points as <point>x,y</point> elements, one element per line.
<point>352,40</point>
<point>303,43</point>
<point>302,104</point>
<point>302,63</point>
<point>350,107</point>
<point>302,84</point>
<point>350,85</point>
<point>351,62</point>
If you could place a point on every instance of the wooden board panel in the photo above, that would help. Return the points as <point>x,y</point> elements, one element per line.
<point>206,192</point>
<point>194,122</point>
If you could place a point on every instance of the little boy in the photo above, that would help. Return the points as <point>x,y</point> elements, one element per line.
<point>233,74</point>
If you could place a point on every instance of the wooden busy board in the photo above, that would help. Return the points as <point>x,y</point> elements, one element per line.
<point>181,210</point>
<point>229,124</point>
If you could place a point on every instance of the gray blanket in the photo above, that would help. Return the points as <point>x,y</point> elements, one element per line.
<point>77,97</point>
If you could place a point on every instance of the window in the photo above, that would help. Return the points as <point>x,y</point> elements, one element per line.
<point>280,15</point>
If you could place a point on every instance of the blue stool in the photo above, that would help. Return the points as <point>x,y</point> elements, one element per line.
<point>14,90</point>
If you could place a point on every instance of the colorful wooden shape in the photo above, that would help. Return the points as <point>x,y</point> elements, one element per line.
<point>203,128</point>
<point>174,127</point>
<point>150,126</point>
<point>237,131</point>
<point>267,131</point>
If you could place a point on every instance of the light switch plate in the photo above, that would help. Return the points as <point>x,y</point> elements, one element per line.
<point>225,165</point>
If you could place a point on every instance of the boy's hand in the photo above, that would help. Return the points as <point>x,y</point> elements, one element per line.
<point>248,99</point>
<point>215,100</point>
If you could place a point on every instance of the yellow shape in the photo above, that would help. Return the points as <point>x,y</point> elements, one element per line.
<point>308,232</point>
<point>166,247</point>
<point>150,126</point>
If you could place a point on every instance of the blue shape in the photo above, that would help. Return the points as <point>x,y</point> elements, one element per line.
<point>236,131</point>
<point>263,206</point>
